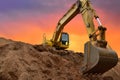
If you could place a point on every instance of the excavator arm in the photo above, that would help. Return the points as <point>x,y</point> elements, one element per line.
<point>57,36</point>
<point>88,13</point>
<point>98,56</point>
<point>56,40</point>
<point>64,20</point>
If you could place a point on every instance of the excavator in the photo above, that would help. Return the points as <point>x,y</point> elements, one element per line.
<point>98,55</point>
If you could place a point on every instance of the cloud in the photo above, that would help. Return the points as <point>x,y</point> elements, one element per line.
<point>53,6</point>
<point>110,7</point>
<point>44,6</point>
<point>108,10</point>
<point>107,5</point>
<point>10,5</point>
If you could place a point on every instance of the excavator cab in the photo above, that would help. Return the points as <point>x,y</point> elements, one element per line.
<point>64,40</point>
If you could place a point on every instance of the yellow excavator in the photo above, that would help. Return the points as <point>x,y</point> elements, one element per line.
<point>98,55</point>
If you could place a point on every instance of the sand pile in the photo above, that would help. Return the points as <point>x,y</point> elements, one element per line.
<point>22,61</point>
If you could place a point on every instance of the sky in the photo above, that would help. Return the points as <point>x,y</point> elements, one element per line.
<point>28,20</point>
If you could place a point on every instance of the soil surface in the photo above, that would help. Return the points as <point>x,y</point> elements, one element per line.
<point>23,61</point>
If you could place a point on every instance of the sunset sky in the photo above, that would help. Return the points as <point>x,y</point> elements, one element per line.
<point>28,20</point>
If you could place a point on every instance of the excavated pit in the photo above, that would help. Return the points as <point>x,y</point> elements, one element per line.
<point>23,61</point>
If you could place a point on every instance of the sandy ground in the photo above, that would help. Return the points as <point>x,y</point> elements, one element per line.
<point>23,61</point>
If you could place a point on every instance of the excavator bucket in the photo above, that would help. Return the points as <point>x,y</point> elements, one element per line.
<point>98,60</point>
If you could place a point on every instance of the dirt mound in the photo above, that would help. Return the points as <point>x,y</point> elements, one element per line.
<point>114,72</point>
<point>23,61</point>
